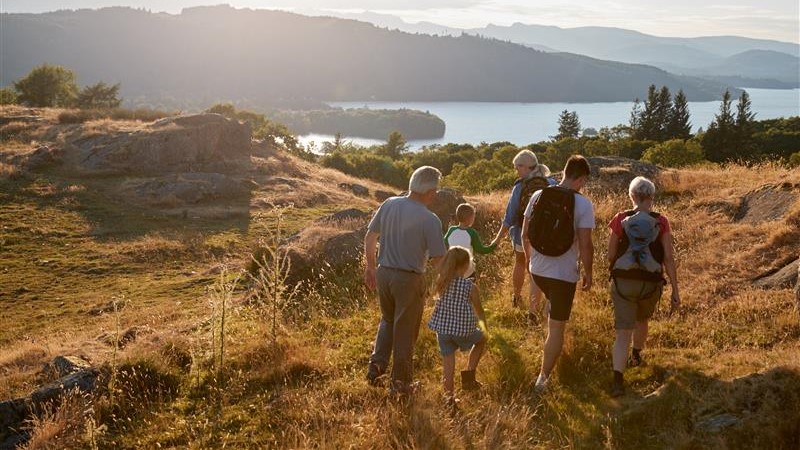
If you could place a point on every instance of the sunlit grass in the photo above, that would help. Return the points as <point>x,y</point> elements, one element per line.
<point>67,251</point>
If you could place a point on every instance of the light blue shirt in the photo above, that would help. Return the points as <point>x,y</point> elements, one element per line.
<point>512,210</point>
<point>409,233</point>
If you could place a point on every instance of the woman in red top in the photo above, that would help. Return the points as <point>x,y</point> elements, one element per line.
<point>635,290</point>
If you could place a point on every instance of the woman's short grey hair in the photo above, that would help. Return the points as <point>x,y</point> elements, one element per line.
<point>424,179</point>
<point>641,188</point>
<point>526,157</point>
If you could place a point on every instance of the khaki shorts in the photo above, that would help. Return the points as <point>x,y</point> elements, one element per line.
<point>634,301</point>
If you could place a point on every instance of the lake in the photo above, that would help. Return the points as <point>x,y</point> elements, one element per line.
<point>525,123</point>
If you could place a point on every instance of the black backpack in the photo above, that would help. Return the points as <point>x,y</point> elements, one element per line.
<point>529,186</point>
<point>551,230</point>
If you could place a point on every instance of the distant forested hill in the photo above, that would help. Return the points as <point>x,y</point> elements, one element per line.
<point>712,56</point>
<point>210,54</point>
<point>709,56</point>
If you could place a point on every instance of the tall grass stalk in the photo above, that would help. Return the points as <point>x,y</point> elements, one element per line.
<point>112,385</point>
<point>221,294</point>
<point>271,292</point>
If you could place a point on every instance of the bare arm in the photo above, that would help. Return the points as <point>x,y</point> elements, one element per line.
<point>501,233</point>
<point>526,243</point>
<point>587,255</point>
<point>436,263</point>
<point>669,267</point>
<point>475,300</point>
<point>370,255</point>
<point>613,245</point>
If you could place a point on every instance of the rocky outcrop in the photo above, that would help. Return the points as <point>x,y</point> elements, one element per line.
<point>23,118</point>
<point>345,214</point>
<point>767,203</point>
<point>616,172</point>
<point>329,246</point>
<point>783,278</point>
<point>444,206</point>
<point>125,337</point>
<point>196,143</point>
<point>175,162</point>
<point>797,289</point>
<point>43,157</point>
<point>74,374</point>
<point>185,189</point>
<point>715,424</point>
<point>355,188</point>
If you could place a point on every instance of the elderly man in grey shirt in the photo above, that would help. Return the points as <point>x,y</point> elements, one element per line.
<point>408,233</point>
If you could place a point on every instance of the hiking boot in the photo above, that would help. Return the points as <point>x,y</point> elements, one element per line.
<point>451,402</point>
<point>541,384</point>
<point>617,388</point>
<point>468,381</point>
<point>635,359</point>
<point>618,385</point>
<point>374,373</point>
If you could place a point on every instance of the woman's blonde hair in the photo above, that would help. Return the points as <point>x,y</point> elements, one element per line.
<point>455,258</point>
<point>540,171</point>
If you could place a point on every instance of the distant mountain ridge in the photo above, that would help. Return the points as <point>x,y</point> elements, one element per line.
<point>210,54</point>
<point>701,56</point>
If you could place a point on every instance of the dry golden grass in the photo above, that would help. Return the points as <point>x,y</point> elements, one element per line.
<point>9,170</point>
<point>105,126</point>
<point>19,368</point>
<point>59,426</point>
<point>72,252</point>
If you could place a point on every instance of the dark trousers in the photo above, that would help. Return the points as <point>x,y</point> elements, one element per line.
<point>402,300</point>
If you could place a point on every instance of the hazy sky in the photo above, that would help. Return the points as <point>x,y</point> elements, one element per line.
<point>769,19</point>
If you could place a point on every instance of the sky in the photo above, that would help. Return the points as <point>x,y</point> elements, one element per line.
<point>766,19</point>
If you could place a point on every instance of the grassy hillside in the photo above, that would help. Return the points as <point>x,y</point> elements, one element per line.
<point>68,250</point>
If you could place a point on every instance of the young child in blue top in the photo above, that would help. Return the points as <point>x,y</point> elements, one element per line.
<point>458,320</point>
<point>465,236</point>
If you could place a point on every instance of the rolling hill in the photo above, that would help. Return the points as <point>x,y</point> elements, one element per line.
<point>209,54</point>
<point>706,56</point>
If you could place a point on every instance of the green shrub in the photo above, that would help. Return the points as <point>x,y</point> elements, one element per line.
<point>794,159</point>
<point>273,132</point>
<point>674,153</point>
<point>629,148</point>
<point>559,152</point>
<point>100,95</point>
<point>8,96</point>
<point>47,86</point>
<point>482,176</point>
<point>367,164</point>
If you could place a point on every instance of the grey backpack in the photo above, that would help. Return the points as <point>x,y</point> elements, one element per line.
<point>640,253</point>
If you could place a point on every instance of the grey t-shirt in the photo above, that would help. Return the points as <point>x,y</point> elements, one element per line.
<point>409,234</point>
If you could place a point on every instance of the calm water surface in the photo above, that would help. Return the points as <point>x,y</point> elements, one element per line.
<point>524,123</point>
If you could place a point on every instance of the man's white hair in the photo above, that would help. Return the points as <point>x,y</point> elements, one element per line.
<point>424,179</point>
<point>641,188</point>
